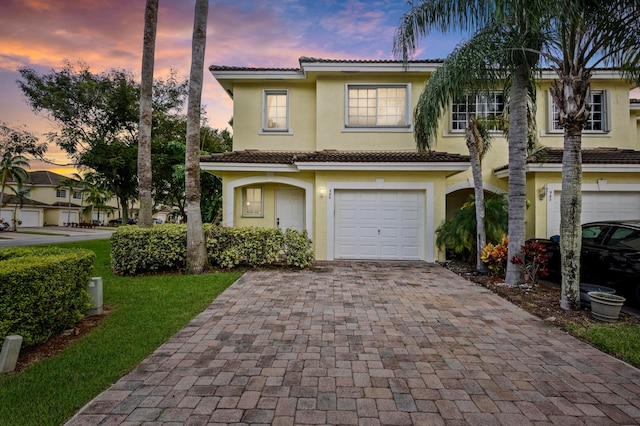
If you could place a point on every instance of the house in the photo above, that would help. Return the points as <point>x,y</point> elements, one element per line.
<point>328,147</point>
<point>47,203</point>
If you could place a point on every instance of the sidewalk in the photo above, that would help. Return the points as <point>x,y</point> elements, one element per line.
<point>369,343</point>
<point>33,236</point>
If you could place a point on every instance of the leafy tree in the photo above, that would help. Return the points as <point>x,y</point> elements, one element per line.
<point>98,119</point>
<point>508,36</point>
<point>196,250</point>
<point>12,167</point>
<point>146,89</point>
<point>19,141</point>
<point>215,140</point>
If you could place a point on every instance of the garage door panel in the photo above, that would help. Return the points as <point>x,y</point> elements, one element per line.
<point>597,205</point>
<point>368,214</point>
<point>30,218</point>
<point>388,224</point>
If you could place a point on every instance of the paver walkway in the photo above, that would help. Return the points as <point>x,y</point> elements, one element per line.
<point>370,343</point>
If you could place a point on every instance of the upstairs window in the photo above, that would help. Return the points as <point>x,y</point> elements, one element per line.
<point>377,106</point>
<point>61,193</point>
<point>597,119</point>
<point>252,202</point>
<point>275,116</point>
<point>77,195</point>
<point>488,105</point>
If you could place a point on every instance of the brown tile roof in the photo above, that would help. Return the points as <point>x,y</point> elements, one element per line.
<point>43,177</point>
<point>14,200</point>
<point>330,156</point>
<point>589,156</point>
<point>304,59</point>
<point>65,204</point>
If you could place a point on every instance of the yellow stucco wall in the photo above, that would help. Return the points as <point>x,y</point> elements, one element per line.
<point>317,118</point>
<point>247,121</point>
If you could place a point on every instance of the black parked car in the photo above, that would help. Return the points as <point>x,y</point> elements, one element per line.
<point>610,256</point>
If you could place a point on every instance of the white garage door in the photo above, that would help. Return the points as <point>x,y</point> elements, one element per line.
<point>597,206</point>
<point>6,215</point>
<point>30,218</point>
<point>66,216</point>
<point>379,224</point>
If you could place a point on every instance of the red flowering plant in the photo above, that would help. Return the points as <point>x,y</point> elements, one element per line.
<point>535,261</point>
<point>495,257</point>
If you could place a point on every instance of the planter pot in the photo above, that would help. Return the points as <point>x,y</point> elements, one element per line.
<point>605,307</point>
<point>585,300</point>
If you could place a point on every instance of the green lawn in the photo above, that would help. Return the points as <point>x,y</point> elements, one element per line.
<point>147,311</point>
<point>619,340</point>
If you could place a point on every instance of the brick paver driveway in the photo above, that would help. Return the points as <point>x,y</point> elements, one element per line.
<point>369,343</point>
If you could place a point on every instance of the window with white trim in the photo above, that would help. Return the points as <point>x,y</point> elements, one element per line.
<point>77,195</point>
<point>252,202</point>
<point>377,105</point>
<point>275,111</point>
<point>489,106</point>
<point>61,193</point>
<point>598,120</point>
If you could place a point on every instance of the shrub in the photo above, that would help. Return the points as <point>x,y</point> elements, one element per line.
<point>43,291</point>
<point>495,257</point>
<point>137,250</point>
<point>535,261</point>
<point>458,234</point>
<point>163,247</point>
<point>298,250</point>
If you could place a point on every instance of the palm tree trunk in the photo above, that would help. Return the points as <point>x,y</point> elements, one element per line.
<point>517,172</point>
<point>196,249</point>
<point>571,208</point>
<point>146,94</point>
<point>69,207</point>
<point>473,139</point>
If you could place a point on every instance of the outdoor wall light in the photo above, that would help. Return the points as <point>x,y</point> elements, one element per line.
<point>542,192</point>
<point>322,190</point>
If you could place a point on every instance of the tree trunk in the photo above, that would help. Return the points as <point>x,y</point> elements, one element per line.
<point>196,249</point>
<point>570,230</point>
<point>125,210</point>
<point>473,139</point>
<point>517,172</point>
<point>146,110</point>
<point>571,96</point>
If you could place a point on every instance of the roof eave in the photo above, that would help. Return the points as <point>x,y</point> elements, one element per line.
<point>586,168</point>
<point>384,166</point>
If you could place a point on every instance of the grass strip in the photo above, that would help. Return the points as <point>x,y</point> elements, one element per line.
<point>148,310</point>
<point>619,340</point>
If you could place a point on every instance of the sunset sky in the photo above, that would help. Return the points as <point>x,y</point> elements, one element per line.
<point>107,34</point>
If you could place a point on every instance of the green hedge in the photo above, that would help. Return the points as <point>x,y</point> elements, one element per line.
<point>43,291</point>
<point>163,247</point>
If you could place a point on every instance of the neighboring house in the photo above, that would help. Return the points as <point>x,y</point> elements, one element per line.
<point>48,205</point>
<point>328,147</point>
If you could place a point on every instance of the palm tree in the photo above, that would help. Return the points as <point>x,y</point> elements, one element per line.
<point>450,81</point>
<point>12,167</point>
<point>588,34</point>
<point>510,35</point>
<point>68,184</point>
<point>96,197</point>
<point>146,112</point>
<point>20,193</point>
<point>196,250</point>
